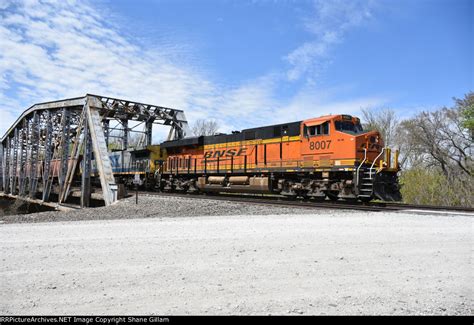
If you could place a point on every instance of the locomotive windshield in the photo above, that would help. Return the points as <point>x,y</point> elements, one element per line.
<point>348,127</point>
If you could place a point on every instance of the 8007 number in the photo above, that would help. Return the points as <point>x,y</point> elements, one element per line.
<point>317,145</point>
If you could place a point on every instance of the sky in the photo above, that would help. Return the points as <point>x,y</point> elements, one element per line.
<point>243,63</point>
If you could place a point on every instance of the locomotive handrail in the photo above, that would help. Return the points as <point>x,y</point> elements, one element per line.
<point>360,165</point>
<point>372,166</point>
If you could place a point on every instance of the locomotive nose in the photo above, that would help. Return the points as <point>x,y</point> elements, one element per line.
<point>372,141</point>
<point>373,137</point>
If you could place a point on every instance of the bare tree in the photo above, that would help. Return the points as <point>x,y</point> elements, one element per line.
<point>410,155</point>
<point>440,139</point>
<point>204,127</point>
<point>394,132</point>
<point>136,139</point>
<point>383,120</point>
<point>436,151</point>
<point>443,150</point>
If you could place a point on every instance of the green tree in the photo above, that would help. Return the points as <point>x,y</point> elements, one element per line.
<point>441,169</point>
<point>466,107</point>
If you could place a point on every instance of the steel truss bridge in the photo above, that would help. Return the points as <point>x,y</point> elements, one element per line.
<point>40,152</point>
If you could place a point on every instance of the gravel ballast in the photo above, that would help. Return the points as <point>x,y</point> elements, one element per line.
<point>150,206</point>
<point>330,262</point>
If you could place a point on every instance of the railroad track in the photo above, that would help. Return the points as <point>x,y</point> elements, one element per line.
<point>285,202</point>
<point>422,207</point>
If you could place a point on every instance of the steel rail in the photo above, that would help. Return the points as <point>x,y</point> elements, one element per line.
<point>336,205</point>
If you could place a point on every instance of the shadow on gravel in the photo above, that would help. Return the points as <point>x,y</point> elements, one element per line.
<point>9,206</point>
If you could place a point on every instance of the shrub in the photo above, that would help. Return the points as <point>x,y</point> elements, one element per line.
<point>431,187</point>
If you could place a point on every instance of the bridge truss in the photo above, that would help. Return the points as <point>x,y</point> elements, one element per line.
<point>41,151</point>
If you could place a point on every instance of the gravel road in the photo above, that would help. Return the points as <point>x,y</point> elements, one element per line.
<point>325,263</point>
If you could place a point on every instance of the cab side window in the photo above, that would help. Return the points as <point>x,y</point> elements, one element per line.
<point>325,128</point>
<point>322,129</point>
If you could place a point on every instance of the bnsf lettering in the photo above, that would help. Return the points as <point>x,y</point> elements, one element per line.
<point>219,153</point>
<point>225,153</point>
<point>319,145</point>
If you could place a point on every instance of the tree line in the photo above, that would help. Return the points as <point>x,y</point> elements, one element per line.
<point>436,151</point>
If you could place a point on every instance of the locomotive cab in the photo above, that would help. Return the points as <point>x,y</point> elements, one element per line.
<point>342,137</point>
<point>338,144</point>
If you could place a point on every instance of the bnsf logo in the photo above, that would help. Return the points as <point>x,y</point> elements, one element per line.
<point>225,153</point>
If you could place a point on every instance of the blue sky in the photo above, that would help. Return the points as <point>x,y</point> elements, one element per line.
<point>243,63</point>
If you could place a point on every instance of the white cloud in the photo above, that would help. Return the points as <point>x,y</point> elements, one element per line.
<point>328,24</point>
<point>311,102</point>
<point>58,49</point>
<point>52,50</point>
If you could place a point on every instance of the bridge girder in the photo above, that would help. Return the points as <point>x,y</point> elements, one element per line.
<point>42,147</point>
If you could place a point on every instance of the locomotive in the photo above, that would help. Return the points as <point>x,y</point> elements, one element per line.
<point>329,156</point>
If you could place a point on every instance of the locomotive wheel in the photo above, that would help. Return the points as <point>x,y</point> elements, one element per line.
<point>304,198</point>
<point>365,199</point>
<point>332,196</point>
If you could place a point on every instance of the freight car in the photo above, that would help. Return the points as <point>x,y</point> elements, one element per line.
<point>329,156</point>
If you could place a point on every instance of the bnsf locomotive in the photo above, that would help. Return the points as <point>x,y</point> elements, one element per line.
<point>329,156</point>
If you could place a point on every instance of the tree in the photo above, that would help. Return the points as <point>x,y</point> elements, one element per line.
<point>466,106</point>
<point>384,121</point>
<point>134,140</point>
<point>430,186</point>
<point>441,156</point>
<point>440,139</point>
<point>204,127</point>
<point>409,153</point>
<point>436,151</point>
<point>387,123</point>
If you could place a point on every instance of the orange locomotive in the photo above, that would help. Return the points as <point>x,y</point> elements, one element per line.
<point>329,156</point>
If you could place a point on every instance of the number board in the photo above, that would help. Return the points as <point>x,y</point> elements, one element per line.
<point>320,145</point>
